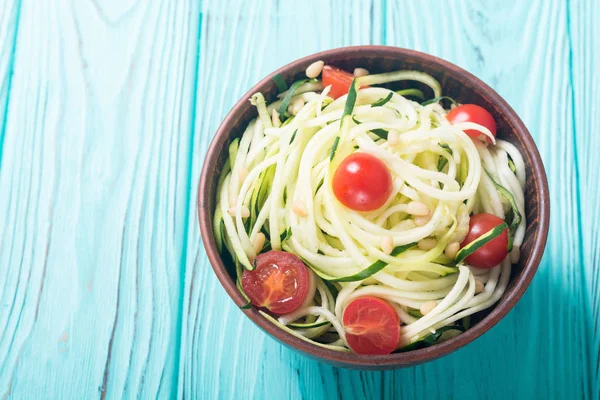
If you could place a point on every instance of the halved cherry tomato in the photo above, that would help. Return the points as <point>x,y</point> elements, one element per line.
<point>372,326</point>
<point>476,114</point>
<point>362,182</point>
<point>490,254</point>
<point>280,283</point>
<point>339,80</point>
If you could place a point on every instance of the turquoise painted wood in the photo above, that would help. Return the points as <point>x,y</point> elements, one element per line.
<point>106,112</point>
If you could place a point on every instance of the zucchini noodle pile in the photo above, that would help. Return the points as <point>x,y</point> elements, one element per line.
<point>275,193</point>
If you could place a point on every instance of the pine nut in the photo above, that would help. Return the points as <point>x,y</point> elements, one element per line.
<point>428,306</point>
<point>259,242</point>
<point>358,72</point>
<point>421,220</point>
<point>275,119</point>
<point>478,286</point>
<point>417,208</point>
<point>299,208</point>
<point>427,244</point>
<point>387,244</point>
<point>296,106</point>
<point>393,138</point>
<point>451,250</point>
<point>244,211</point>
<point>314,69</point>
<point>515,254</point>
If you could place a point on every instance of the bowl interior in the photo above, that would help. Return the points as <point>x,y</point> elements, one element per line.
<point>456,83</point>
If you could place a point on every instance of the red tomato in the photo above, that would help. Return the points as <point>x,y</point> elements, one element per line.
<point>280,283</point>
<point>339,80</point>
<point>476,114</point>
<point>362,182</point>
<point>372,326</point>
<point>492,253</point>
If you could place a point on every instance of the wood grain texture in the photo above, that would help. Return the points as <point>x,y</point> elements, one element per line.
<point>9,23</point>
<point>584,42</point>
<point>532,352</point>
<point>94,199</point>
<point>106,111</point>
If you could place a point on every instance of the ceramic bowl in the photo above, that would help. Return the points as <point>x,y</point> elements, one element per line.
<point>456,83</point>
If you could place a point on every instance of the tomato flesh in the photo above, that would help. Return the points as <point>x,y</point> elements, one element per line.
<point>280,283</point>
<point>372,326</point>
<point>476,114</point>
<point>362,182</point>
<point>339,80</point>
<point>492,253</point>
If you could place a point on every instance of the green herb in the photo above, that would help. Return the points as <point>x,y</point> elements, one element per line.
<point>350,100</point>
<point>293,136</point>
<point>382,133</point>
<point>334,148</point>
<point>332,289</point>
<point>382,101</point>
<point>280,83</point>
<point>373,268</point>
<point>266,247</point>
<point>288,97</point>
<point>309,325</point>
<point>285,235</point>
<point>479,242</point>
<point>348,108</point>
<point>259,196</point>
<point>238,284</point>
<point>359,276</point>
<point>516,214</point>
<point>319,185</point>
<point>442,161</point>
<point>511,165</point>
<point>431,338</point>
<point>450,99</point>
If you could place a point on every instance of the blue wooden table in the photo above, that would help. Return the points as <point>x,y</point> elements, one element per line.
<point>106,111</point>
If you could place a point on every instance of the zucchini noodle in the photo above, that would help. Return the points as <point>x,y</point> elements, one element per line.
<point>277,183</point>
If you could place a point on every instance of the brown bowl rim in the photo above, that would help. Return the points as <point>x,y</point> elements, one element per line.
<point>394,360</point>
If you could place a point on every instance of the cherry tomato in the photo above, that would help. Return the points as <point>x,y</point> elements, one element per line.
<point>476,114</point>
<point>362,182</point>
<point>372,326</point>
<point>280,283</point>
<point>339,80</point>
<point>492,253</point>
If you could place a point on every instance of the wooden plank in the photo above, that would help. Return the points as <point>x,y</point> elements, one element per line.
<point>223,353</point>
<point>9,25</point>
<point>98,175</point>
<point>94,198</point>
<point>540,349</point>
<point>584,42</point>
